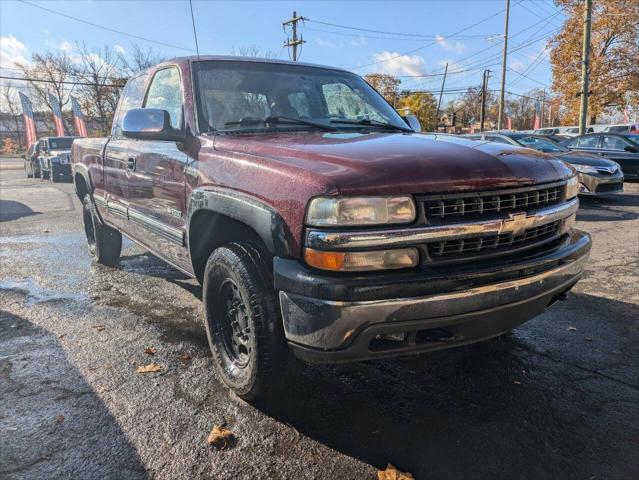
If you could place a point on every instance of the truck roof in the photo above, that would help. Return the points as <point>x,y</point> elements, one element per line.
<point>207,58</point>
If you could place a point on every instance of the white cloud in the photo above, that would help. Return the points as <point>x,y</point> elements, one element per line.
<point>397,64</point>
<point>358,41</point>
<point>325,43</point>
<point>457,47</point>
<point>12,52</point>
<point>64,45</point>
<point>119,49</point>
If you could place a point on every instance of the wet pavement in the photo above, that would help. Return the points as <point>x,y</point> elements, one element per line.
<point>558,398</point>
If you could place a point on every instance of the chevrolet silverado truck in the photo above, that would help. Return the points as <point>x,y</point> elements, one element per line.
<point>318,222</point>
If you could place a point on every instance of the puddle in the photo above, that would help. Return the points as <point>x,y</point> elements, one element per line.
<point>36,295</point>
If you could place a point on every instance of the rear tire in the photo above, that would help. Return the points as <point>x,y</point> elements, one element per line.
<point>242,320</point>
<point>105,243</point>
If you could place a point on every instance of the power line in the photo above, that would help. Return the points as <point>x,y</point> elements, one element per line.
<point>108,29</point>
<point>408,39</point>
<point>65,82</point>
<point>429,44</point>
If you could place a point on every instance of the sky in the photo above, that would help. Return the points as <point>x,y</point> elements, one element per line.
<point>406,39</point>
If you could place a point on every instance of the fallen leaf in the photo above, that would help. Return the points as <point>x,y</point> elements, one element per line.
<point>150,351</point>
<point>108,366</point>
<point>391,473</point>
<point>62,336</point>
<point>59,419</point>
<point>184,357</point>
<point>98,328</point>
<point>46,230</point>
<point>220,437</point>
<point>516,382</point>
<point>572,329</point>
<point>150,368</point>
<point>588,339</point>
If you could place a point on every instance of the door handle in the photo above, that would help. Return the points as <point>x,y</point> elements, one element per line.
<point>130,164</point>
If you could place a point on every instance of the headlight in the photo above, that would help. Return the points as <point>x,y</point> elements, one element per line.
<point>572,187</point>
<point>357,211</point>
<point>584,168</point>
<point>362,261</point>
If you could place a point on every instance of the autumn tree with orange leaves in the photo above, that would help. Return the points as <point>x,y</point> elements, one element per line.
<point>614,64</point>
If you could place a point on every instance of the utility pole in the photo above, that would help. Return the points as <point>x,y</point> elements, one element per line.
<point>295,42</point>
<point>585,66</point>
<point>500,115</point>
<point>543,107</point>
<point>441,92</point>
<point>484,85</point>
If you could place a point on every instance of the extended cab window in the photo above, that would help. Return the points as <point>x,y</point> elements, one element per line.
<point>589,141</point>
<point>613,143</point>
<point>132,97</point>
<point>165,93</point>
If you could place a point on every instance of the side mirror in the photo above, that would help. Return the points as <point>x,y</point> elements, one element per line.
<point>631,149</point>
<point>150,124</point>
<point>412,122</point>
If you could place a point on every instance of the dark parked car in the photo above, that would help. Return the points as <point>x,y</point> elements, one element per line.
<point>623,148</point>
<point>32,161</point>
<point>55,157</point>
<point>597,175</point>
<point>318,222</point>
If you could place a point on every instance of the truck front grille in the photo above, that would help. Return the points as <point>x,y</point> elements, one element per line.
<point>505,241</point>
<point>487,203</point>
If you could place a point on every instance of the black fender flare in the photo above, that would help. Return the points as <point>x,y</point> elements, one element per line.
<point>83,170</point>
<point>260,217</point>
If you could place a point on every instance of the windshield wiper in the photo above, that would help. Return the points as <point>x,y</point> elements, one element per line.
<point>248,121</point>
<point>372,123</point>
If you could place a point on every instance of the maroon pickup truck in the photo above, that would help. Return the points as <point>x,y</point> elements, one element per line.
<point>318,222</point>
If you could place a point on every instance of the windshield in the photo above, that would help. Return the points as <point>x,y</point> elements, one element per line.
<point>541,144</point>
<point>60,143</point>
<point>633,138</point>
<point>237,96</point>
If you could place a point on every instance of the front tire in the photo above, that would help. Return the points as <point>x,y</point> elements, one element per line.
<point>105,243</point>
<point>242,321</point>
<point>29,171</point>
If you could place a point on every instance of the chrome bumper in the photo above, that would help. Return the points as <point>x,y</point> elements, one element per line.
<point>593,182</point>
<point>320,330</point>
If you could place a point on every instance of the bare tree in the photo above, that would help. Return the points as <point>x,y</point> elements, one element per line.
<point>100,74</point>
<point>252,51</point>
<point>138,60</point>
<point>10,105</point>
<point>50,73</point>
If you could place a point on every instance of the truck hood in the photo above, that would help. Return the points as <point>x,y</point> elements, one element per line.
<point>357,163</point>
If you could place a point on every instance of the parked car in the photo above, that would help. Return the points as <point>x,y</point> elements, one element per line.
<point>318,222</point>
<point>31,161</point>
<point>546,131</point>
<point>574,131</point>
<point>627,128</point>
<point>620,147</point>
<point>597,175</point>
<point>55,157</point>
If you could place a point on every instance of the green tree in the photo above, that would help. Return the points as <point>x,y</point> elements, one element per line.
<point>385,84</point>
<point>423,105</point>
<point>614,69</point>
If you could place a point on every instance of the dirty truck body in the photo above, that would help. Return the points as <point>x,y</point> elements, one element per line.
<point>318,222</point>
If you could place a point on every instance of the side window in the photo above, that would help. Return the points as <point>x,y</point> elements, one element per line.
<point>613,143</point>
<point>130,98</point>
<point>492,138</point>
<point>165,93</point>
<point>587,141</point>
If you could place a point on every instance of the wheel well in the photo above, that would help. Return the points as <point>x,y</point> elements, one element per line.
<point>209,230</point>
<point>81,187</point>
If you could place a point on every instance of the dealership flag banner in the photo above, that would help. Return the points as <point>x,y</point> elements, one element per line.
<point>537,115</point>
<point>78,118</point>
<point>29,122</point>
<point>57,116</point>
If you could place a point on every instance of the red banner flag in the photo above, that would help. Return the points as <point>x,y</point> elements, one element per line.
<point>78,119</point>
<point>537,115</point>
<point>509,123</point>
<point>57,116</point>
<point>29,123</point>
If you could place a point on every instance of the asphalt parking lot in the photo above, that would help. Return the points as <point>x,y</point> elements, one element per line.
<point>558,398</point>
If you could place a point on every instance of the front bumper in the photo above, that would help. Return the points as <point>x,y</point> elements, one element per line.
<point>598,184</point>
<point>332,319</point>
<point>61,169</point>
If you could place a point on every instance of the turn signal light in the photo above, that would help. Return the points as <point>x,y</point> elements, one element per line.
<point>362,261</point>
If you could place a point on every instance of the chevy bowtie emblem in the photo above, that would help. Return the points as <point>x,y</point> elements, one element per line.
<point>517,224</point>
